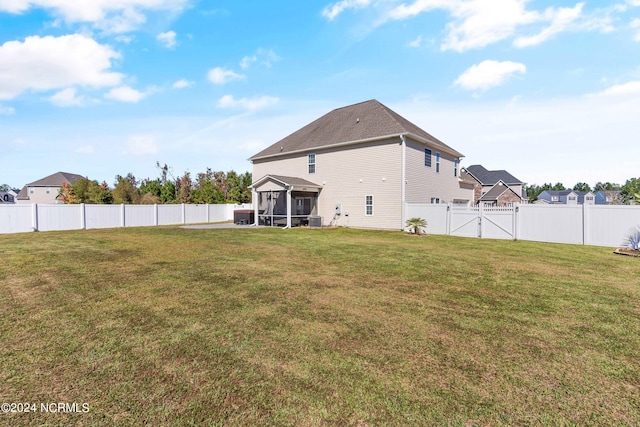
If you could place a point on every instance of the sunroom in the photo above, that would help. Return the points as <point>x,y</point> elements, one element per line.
<point>284,201</point>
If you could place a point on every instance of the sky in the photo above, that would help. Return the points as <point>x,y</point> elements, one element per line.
<point>547,90</point>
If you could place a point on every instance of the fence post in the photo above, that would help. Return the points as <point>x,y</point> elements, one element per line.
<point>184,214</point>
<point>155,214</point>
<point>516,222</point>
<point>480,218</point>
<point>123,222</point>
<point>207,208</point>
<point>83,217</point>
<point>34,216</point>
<point>585,224</point>
<point>448,220</point>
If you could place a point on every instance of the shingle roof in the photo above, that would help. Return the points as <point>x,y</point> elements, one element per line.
<point>363,121</point>
<point>487,177</point>
<point>56,180</point>
<point>496,191</point>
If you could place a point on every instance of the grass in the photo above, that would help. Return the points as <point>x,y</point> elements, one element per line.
<point>167,326</point>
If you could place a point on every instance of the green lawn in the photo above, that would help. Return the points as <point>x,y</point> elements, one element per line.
<point>167,326</point>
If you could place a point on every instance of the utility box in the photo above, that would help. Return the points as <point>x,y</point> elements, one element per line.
<point>315,221</point>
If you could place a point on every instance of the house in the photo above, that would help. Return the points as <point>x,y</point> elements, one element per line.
<point>355,166</point>
<point>46,190</point>
<point>609,197</point>
<point>567,197</point>
<point>8,197</point>
<point>495,188</point>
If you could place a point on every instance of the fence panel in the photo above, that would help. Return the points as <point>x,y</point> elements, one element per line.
<point>551,223</point>
<point>103,216</point>
<point>610,225</point>
<point>195,214</point>
<point>16,218</point>
<point>59,217</point>
<point>436,216</point>
<point>169,214</point>
<point>139,215</point>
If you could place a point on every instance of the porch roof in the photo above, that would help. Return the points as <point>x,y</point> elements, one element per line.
<point>287,182</point>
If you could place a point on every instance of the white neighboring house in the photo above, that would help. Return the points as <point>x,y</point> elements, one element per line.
<point>46,190</point>
<point>355,166</point>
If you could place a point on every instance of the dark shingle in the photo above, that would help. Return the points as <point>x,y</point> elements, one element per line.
<point>487,177</point>
<point>366,120</point>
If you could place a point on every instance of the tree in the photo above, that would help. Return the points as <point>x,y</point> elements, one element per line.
<point>209,188</point>
<point>606,186</point>
<point>183,188</point>
<point>67,195</point>
<point>630,191</point>
<point>5,187</point>
<point>582,186</point>
<point>238,185</point>
<point>126,190</point>
<point>99,194</point>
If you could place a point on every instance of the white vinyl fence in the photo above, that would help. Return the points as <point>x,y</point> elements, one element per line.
<point>597,225</point>
<point>35,217</point>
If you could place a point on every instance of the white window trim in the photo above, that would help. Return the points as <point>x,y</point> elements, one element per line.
<point>437,162</point>
<point>430,157</point>
<point>366,205</point>
<point>315,158</point>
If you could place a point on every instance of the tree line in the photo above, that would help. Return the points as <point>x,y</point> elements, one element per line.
<point>624,194</point>
<point>213,187</point>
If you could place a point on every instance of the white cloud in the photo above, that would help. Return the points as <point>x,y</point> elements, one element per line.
<point>67,98</point>
<point>182,84</point>
<point>247,61</point>
<point>46,63</point>
<point>629,88</point>
<point>560,19</point>
<point>108,15</point>
<point>220,76</point>
<point>417,42</point>
<point>168,39</point>
<point>333,10</point>
<point>126,94</point>
<point>6,111</point>
<point>488,74</point>
<point>140,145</point>
<point>266,57</point>
<point>228,101</point>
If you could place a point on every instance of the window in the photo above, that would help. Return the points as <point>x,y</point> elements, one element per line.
<point>427,157</point>
<point>437,162</point>
<point>312,163</point>
<point>455,167</point>
<point>435,200</point>
<point>48,191</point>
<point>368,210</point>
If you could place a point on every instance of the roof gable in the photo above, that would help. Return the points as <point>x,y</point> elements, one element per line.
<point>497,190</point>
<point>364,121</point>
<point>487,177</point>
<point>56,180</point>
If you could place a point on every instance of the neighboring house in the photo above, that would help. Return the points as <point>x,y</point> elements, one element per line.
<point>609,197</point>
<point>567,197</point>
<point>8,197</point>
<point>496,188</point>
<point>46,190</point>
<point>355,166</point>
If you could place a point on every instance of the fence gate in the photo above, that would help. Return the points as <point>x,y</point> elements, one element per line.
<point>491,223</point>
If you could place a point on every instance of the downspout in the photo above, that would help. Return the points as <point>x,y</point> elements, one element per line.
<point>403,184</point>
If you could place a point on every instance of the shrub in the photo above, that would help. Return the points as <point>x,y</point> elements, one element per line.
<point>416,225</point>
<point>633,239</point>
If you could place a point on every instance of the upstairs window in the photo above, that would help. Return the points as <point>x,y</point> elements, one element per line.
<point>435,200</point>
<point>427,157</point>
<point>437,162</point>
<point>312,163</point>
<point>455,167</point>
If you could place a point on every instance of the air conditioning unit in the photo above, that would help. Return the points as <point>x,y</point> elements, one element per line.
<point>315,221</point>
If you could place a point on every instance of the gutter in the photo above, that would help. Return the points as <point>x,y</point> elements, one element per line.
<point>365,140</point>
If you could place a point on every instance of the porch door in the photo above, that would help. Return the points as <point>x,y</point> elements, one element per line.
<point>303,206</point>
